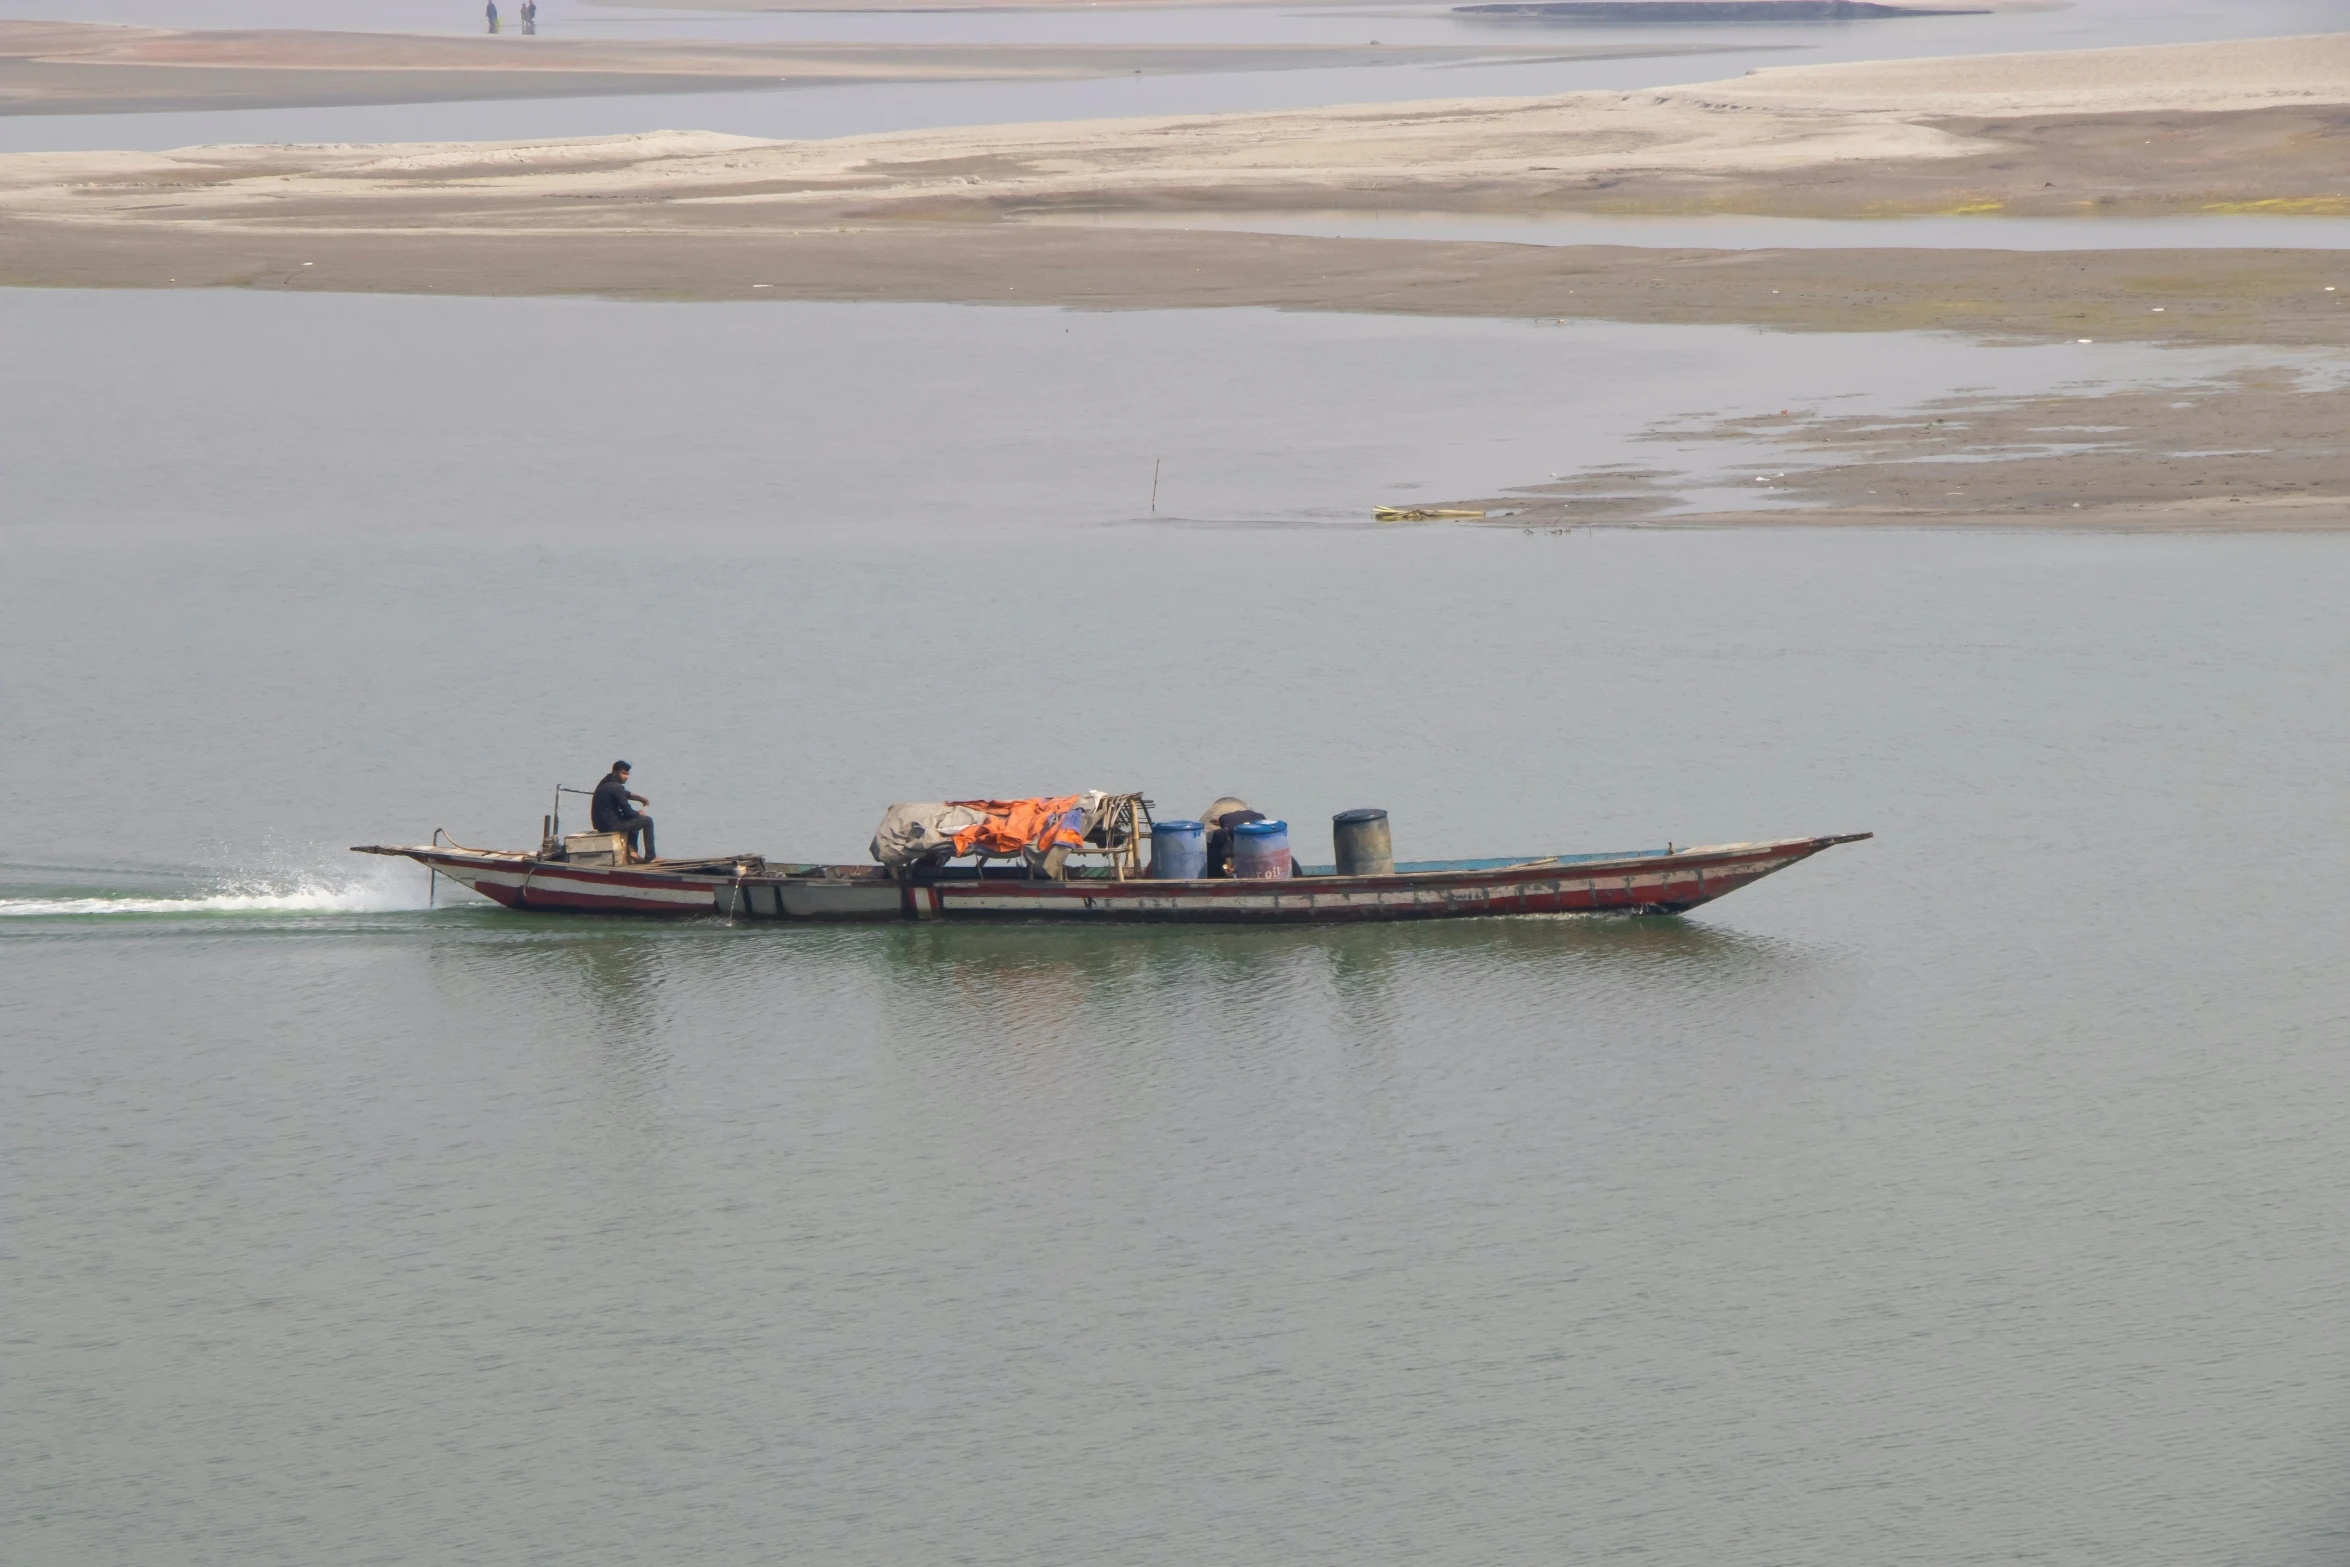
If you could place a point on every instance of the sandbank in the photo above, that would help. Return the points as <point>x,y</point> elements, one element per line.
<point>934,216</point>
<point>2248,126</point>
<point>2231,126</point>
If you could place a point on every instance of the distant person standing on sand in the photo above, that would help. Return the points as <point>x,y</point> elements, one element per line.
<point>530,16</point>
<point>492,9</point>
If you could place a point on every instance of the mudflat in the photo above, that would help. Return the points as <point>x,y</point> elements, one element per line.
<point>2182,296</point>
<point>2257,449</point>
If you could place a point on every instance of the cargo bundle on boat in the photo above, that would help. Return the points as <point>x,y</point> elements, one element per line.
<point>1096,856</point>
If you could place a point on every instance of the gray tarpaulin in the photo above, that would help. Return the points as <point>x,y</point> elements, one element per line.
<point>910,832</point>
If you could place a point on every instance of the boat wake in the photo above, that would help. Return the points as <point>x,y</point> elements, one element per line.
<point>369,892</point>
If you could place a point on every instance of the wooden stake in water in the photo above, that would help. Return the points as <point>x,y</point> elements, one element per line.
<point>1155,482</point>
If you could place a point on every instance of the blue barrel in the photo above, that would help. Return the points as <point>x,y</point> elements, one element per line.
<point>1260,851</point>
<point>1179,851</point>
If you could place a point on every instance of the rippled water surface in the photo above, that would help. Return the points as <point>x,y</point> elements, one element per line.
<point>1968,1194</point>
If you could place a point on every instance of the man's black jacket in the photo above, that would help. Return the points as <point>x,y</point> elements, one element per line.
<point>611,807</point>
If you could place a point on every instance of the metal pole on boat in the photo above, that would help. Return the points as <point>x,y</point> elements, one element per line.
<point>1155,481</point>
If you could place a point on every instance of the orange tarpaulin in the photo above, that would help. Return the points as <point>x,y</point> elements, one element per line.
<point>1014,825</point>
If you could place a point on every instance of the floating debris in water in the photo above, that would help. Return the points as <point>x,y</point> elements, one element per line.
<point>1418,513</point>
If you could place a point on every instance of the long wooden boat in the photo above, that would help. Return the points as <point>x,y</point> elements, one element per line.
<point>749,887</point>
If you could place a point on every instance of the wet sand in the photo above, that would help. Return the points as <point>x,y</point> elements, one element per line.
<point>2205,296</point>
<point>2267,450</point>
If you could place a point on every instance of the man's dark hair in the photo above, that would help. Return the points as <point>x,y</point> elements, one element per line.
<point>620,767</point>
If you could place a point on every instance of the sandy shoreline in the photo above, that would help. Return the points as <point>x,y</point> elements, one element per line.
<point>932,216</point>
<point>2221,127</point>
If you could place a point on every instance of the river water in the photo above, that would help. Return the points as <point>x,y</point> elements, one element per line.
<point>1970,1194</point>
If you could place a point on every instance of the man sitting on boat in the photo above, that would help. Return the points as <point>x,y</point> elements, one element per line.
<point>612,811</point>
<point>1226,814</point>
<point>1221,819</point>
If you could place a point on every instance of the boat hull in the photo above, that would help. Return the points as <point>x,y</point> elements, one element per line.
<point>521,881</point>
<point>1649,883</point>
<point>1644,882</point>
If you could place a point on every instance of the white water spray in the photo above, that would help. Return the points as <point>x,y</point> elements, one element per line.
<point>374,889</point>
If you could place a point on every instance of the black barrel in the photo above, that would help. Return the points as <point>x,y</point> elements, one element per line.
<point>1364,848</point>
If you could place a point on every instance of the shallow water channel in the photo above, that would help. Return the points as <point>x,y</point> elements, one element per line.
<point>1966,1194</point>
